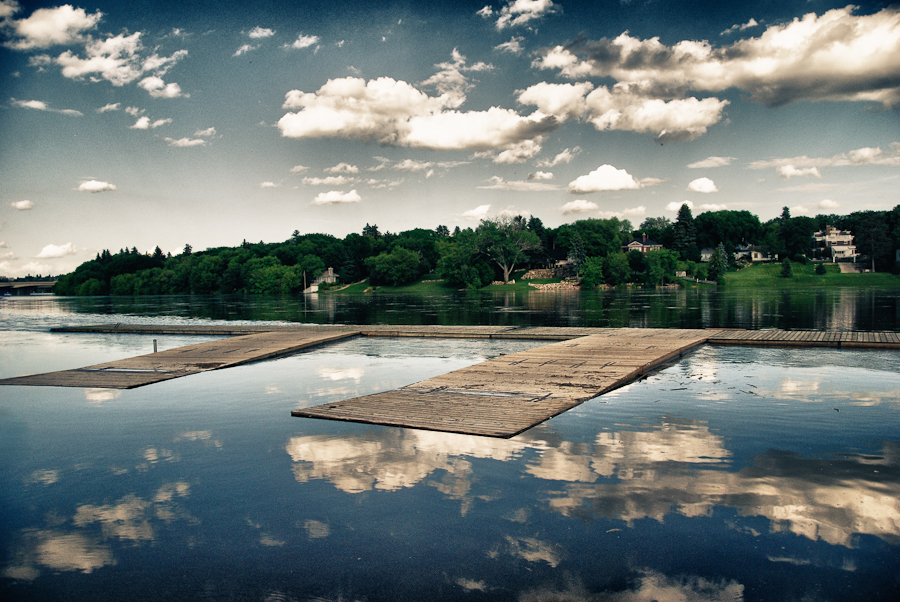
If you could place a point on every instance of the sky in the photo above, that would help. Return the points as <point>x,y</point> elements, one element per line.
<point>149,122</point>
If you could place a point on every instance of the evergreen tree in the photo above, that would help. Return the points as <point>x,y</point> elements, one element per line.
<point>718,265</point>
<point>685,235</point>
<point>787,271</point>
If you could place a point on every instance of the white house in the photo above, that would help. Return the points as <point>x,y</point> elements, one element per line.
<point>834,244</point>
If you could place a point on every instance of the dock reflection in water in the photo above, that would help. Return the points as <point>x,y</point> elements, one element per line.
<point>734,474</point>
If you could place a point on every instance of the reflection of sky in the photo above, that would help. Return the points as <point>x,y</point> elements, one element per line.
<point>212,475</point>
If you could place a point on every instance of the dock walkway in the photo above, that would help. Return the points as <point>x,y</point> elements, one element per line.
<point>499,398</point>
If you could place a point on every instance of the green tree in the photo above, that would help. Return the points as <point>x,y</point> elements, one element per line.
<point>684,235</point>
<point>462,264</point>
<point>871,235</point>
<point>660,266</point>
<point>506,241</point>
<point>718,265</point>
<point>592,272</point>
<point>400,266</point>
<point>616,268</point>
<point>820,269</point>
<point>787,271</point>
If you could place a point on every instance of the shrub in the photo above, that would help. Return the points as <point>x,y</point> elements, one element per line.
<point>787,271</point>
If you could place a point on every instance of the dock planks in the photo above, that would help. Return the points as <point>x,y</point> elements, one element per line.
<point>509,394</point>
<point>182,361</point>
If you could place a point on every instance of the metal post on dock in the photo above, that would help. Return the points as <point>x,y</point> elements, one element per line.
<point>154,345</point>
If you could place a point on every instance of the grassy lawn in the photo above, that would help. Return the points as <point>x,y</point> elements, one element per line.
<point>769,276</point>
<point>421,286</point>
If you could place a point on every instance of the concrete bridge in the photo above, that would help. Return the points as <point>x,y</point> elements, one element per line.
<point>26,288</point>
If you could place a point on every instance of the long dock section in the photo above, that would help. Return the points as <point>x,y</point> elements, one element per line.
<point>182,361</point>
<point>509,394</point>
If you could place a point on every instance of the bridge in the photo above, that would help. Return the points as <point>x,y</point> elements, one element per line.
<point>26,288</point>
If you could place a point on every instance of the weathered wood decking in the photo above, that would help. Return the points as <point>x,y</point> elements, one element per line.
<point>499,398</point>
<point>182,361</point>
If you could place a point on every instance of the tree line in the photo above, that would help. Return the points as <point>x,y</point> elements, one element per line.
<point>475,257</point>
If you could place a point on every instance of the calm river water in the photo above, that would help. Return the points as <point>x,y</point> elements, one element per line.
<point>734,474</point>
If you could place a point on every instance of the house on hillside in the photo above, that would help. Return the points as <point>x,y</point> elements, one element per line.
<point>753,253</point>
<point>643,244</point>
<point>834,244</point>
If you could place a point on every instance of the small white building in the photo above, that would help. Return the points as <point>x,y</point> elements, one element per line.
<point>753,253</point>
<point>834,244</point>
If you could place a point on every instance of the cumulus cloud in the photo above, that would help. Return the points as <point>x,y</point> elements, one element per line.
<point>113,106</point>
<point>95,186</point>
<point>413,165</point>
<point>22,205</point>
<point>55,252</point>
<point>303,41</point>
<point>498,183</point>
<point>185,142</point>
<point>518,152</point>
<point>144,123</point>
<point>740,27</point>
<point>450,79</point>
<point>48,27</point>
<point>299,169</point>
<point>565,156</point>
<point>342,168</point>
<point>268,185</point>
<point>207,133</point>
<point>605,177</point>
<point>713,207</point>
<point>540,175</point>
<point>514,46</point>
<point>828,204</point>
<point>626,213</point>
<point>478,213</point>
<point>710,162</point>
<point>261,32</point>
<point>244,49</point>
<point>675,205</point>
<point>834,56</point>
<point>39,105</point>
<point>626,107</point>
<point>328,181</point>
<point>519,12</point>
<point>336,197</point>
<point>580,206</point>
<point>789,171</point>
<point>157,88</point>
<point>704,185</point>
<point>30,268</point>
<point>119,60</point>
<point>396,113</point>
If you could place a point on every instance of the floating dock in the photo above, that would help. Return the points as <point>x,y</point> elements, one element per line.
<point>498,398</point>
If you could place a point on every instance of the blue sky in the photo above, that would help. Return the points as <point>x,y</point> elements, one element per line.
<point>149,123</point>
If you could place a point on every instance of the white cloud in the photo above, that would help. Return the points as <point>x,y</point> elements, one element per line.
<point>514,45</point>
<point>261,32</point>
<point>268,185</point>
<point>513,211</point>
<point>565,156</point>
<point>118,60</point>
<point>859,156</point>
<point>21,205</point>
<point>185,142</point>
<point>478,213</point>
<point>563,101</point>
<point>485,12</point>
<point>134,111</point>
<point>336,197</point>
<point>303,41</point>
<point>834,56</point>
<point>605,177</point>
<point>704,185</point>
<point>245,48</point>
<point>30,268</point>
<point>8,255</point>
<point>48,27</point>
<point>342,168</point>
<point>518,153</point>
<point>389,184</point>
<point>394,112</point>
<point>450,79</point>
<point>580,206</point>
<point>498,183</point>
<point>713,207</point>
<point>828,204</point>
<point>40,105</point>
<point>299,168</point>
<point>160,89</point>
<point>738,27</point>
<point>789,171</point>
<point>207,133</point>
<point>55,252</point>
<point>540,175</point>
<point>144,123</point>
<point>711,162</point>
<point>413,165</point>
<point>328,181</point>
<point>625,213</point>
<point>3,244</point>
<point>675,205</point>
<point>520,12</point>
<point>800,209</point>
<point>95,186</point>
<point>113,106</point>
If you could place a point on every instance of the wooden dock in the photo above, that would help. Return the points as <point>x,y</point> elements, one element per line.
<point>499,398</point>
<point>182,361</point>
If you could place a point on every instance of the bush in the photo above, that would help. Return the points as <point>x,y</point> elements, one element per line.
<point>820,269</point>
<point>592,272</point>
<point>787,271</point>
